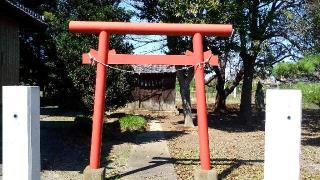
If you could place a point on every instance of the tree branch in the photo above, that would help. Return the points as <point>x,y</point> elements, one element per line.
<point>235,83</point>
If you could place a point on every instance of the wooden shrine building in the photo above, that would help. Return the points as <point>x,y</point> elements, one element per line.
<point>14,17</point>
<point>154,89</point>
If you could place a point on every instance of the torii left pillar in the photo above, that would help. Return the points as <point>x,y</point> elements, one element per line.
<point>93,172</point>
<point>196,58</point>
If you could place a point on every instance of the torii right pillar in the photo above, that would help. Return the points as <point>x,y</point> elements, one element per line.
<point>205,173</point>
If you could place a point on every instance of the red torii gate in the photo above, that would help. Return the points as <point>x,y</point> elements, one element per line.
<point>104,56</point>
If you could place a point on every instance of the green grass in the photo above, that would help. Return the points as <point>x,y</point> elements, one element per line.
<point>132,123</point>
<point>310,93</point>
<point>210,88</point>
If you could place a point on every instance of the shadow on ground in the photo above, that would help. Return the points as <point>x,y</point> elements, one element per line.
<point>55,111</point>
<point>230,121</point>
<point>311,120</point>
<point>65,146</point>
<point>158,161</point>
<point>311,127</point>
<point>311,141</point>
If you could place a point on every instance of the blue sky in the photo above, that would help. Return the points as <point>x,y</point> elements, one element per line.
<point>151,44</point>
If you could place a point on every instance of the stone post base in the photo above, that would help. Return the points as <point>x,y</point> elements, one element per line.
<point>93,174</point>
<point>205,175</point>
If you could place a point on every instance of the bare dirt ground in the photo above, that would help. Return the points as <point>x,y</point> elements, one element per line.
<point>65,147</point>
<point>237,152</point>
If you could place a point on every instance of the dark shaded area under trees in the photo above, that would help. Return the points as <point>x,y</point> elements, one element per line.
<point>52,59</point>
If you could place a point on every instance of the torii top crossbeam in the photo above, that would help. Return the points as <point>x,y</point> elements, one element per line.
<point>151,28</point>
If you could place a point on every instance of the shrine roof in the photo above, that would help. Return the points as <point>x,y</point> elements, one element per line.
<point>25,16</point>
<point>153,69</point>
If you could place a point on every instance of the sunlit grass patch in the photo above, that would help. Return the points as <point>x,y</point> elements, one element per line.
<point>133,123</point>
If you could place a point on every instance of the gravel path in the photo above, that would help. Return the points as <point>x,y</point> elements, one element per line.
<point>150,157</point>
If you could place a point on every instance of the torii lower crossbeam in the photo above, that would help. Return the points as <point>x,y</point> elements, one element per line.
<point>187,59</point>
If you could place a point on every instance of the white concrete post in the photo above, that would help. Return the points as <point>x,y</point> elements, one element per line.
<point>21,133</point>
<point>282,135</point>
<point>235,92</point>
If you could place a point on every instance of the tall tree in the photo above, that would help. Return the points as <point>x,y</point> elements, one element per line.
<point>72,84</point>
<point>266,37</point>
<point>264,34</point>
<point>315,21</point>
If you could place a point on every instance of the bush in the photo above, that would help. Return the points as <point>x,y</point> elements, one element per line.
<point>73,83</point>
<point>310,92</point>
<point>133,123</point>
<point>304,68</point>
<point>284,69</point>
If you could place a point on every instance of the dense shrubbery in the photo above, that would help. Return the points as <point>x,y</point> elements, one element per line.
<point>310,92</point>
<point>67,82</point>
<point>306,68</point>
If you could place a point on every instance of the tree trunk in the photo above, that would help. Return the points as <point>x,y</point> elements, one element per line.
<point>259,97</point>
<point>177,45</point>
<point>220,104</point>
<point>184,79</point>
<point>246,92</point>
<point>223,93</point>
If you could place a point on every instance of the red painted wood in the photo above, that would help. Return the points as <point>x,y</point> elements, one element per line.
<point>114,58</point>
<point>99,102</point>
<point>206,55</point>
<point>151,59</point>
<point>150,28</point>
<point>201,104</point>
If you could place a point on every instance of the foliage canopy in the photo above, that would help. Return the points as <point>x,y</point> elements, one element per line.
<point>265,33</point>
<point>68,82</point>
<point>307,68</point>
